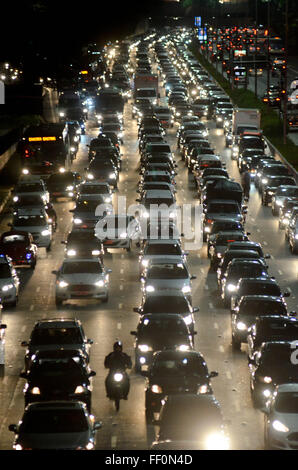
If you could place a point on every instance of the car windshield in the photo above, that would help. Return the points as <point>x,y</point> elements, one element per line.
<point>49,336</point>
<point>289,192</point>
<point>222,208</point>
<point>262,307</point>
<point>88,267</point>
<point>275,182</point>
<point>158,201</point>
<point>156,327</point>
<point>166,304</point>
<point>54,421</point>
<point>61,178</point>
<point>14,239</point>
<point>167,271</point>
<point>32,200</point>
<point>158,148</point>
<point>87,206</point>
<point>276,170</point>
<point>4,271</point>
<point>67,370</point>
<point>247,271</point>
<point>81,235</point>
<point>163,249</point>
<point>286,402</point>
<point>94,189</point>
<point>218,226</point>
<point>29,188</point>
<point>260,288</point>
<point>276,329</point>
<point>225,239</point>
<point>30,221</point>
<point>180,366</point>
<point>117,222</point>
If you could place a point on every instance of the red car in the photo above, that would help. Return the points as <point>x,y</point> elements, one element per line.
<point>20,248</point>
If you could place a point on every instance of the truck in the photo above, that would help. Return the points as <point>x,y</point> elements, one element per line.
<point>244,119</point>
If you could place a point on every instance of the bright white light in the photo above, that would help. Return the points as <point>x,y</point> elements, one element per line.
<point>280,427</point>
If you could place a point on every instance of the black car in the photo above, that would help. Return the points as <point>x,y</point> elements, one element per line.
<point>229,255</point>
<point>222,225</point>
<point>102,170</point>
<point>83,244</point>
<point>219,243</point>
<point>217,209</point>
<point>236,270</point>
<point>270,328</point>
<point>269,367</point>
<point>159,332</point>
<point>63,184</point>
<point>189,417</point>
<point>169,302</point>
<point>272,184</point>
<point>58,375</point>
<point>85,213</point>
<point>173,372</point>
<point>248,308</point>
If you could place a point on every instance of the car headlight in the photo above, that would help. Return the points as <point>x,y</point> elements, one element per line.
<point>279,203</point>
<point>61,114</point>
<point>123,235</point>
<point>280,427</point>
<point>112,176</point>
<point>219,255</point>
<point>120,135</point>
<point>69,188</point>
<point>186,289</point>
<point>207,229</point>
<point>99,283</point>
<point>108,199</point>
<point>296,236</point>
<point>25,171</point>
<point>241,326</point>
<point>188,319</point>
<point>183,347</point>
<point>219,119</point>
<point>264,180</point>
<point>77,221</point>
<point>90,176</point>
<point>7,287</point>
<point>156,389</point>
<point>72,149</point>
<point>63,284</point>
<point>150,289</point>
<point>144,348</point>
<point>95,252</point>
<point>35,391</point>
<point>45,233</point>
<point>266,379</point>
<point>178,114</point>
<point>203,389</point>
<point>232,287</point>
<point>118,377</point>
<point>71,253</point>
<point>79,389</point>
<point>145,263</point>
<point>217,441</point>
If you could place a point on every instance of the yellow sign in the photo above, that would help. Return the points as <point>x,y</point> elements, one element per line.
<point>39,139</point>
<point>84,72</point>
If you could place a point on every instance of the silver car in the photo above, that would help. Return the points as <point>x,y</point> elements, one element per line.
<point>160,248</point>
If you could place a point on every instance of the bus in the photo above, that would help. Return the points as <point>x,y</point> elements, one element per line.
<point>276,46</point>
<point>44,149</point>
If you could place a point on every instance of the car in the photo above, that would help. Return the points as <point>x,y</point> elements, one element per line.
<point>292,235</point>
<point>270,328</point>
<point>164,115</point>
<point>225,224</point>
<point>168,302</point>
<point>156,229</point>
<point>173,372</point>
<point>280,423</point>
<point>158,176</point>
<point>82,243</point>
<point>19,247</point>
<point>285,212</point>
<point>248,245</point>
<point>56,333</point>
<point>58,375</point>
<point>34,221</point>
<point>9,282</point>
<point>191,417</point>
<point>270,366</point>
<point>238,269</point>
<point>82,279</point>
<point>256,286</point>
<point>102,170</point>
<point>157,185</point>
<point>157,248</point>
<point>118,231</point>
<point>64,425</point>
<point>248,308</point>
<point>31,185</point>
<point>63,184</point>
<point>100,192</point>
<point>280,195</point>
<point>271,168</point>
<point>273,184</point>
<point>26,203</point>
<point>156,332</point>
<point>87,213</point>
<point>164,273</point>
<point>229,255</point>
<point>158,204</point>
<point>217,209</point>
<point>219,243</point>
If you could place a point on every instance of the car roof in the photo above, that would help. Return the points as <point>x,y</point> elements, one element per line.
<point>257,280</point>
<point>270,298</point>
<point>52,405</point>
<point>58,323</point>
<point>290,387</point>
<point>159,193</point>
<point>165,260</point>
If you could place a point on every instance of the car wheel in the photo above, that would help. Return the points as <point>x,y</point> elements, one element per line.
<point>236,344</point>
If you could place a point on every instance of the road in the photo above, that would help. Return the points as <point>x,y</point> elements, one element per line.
<point>106,322</point>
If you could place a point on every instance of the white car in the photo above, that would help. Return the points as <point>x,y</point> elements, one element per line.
<point>33,186</point>
<point>100,192</point>
<point>118,231</point>
<point>154,198</point>
<point>158,248</point>
<point>81,279</point>
<point>36,222</point>
<point>9,282</point>
<point>281,418</point>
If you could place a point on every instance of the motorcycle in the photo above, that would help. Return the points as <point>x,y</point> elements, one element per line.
<point>118,385</point>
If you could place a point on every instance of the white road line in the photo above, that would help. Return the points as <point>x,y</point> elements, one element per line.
<point>280,272</point>
<point>113,441</point>
<point>38,289</point>
<point>229,375</point>
<point>121,287</point>
<point>24,327</point>
<point>211,305</point>
<point>221,348</point>
<point>216,326</point>
<point>31,308</point>
<point>119,326</point>
<point>206,287</point>
<point>120,306</point>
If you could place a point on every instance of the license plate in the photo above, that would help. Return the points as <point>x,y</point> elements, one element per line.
<point>56,194</point>
<point>81,292</point>
<point>108,242</point>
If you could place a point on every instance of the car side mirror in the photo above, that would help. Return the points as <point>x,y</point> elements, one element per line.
<point>71,210</point>
<point>55,272</point>
<point>196,309</point>
<point>193,277</point>
<point>248,233</point>
<point>24,343</point>
<point>97,425</point>
<point>3,326</point>
<point>293,313</point>
<point>64,242</point>
<point>287,294</point>
<point>267,256</point>
<point>92,373</point>
<point>136,309</point>
<point>213,374</point>
<point>134,333</point>
<point>89,341</point>
<point>13,428</point>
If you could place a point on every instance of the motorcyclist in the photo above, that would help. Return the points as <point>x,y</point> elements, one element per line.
<point>246,183</point>
<point>117,360</point>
